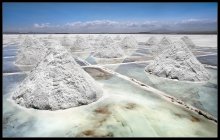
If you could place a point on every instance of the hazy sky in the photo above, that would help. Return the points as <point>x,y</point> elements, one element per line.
<point>109,17</point>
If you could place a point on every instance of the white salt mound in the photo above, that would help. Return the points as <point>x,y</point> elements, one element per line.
<point>165,41</point>
<point>57,82</point>
<point>188,42</point>
<point>179,63</point>
<point>109,51</point>
<point>106,41</point>
<point>80,44</point>
<point>129,42</point>
<point>31,52</point>
<point>152,41</point>
<point>161,46</point>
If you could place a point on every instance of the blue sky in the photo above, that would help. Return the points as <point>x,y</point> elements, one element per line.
<point>111,17</point>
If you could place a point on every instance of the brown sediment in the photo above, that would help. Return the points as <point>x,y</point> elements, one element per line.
<point>89,132</point>
<point>92,133</point>
<point>177,114</point>
<point>100,122</point>
<point>130,105</point>
<point>102,110</point>
<point>194,119</point>
<point>105,114</point>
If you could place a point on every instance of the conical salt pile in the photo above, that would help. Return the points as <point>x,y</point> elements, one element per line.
<point>57,82</point>
<point>31,52</point>
<point>165,41</point>
<point>152,41</point>
<point>109,51</point>
<point>178,62</point>
<point>188,42</point>
<point>80,44</point>
<point>129,42</point>
<point>106,41</point>
<point>161,46</point>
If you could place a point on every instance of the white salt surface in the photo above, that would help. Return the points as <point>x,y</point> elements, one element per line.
<point>67,41</point>
<point>123,110</point>
<point>117,37</point>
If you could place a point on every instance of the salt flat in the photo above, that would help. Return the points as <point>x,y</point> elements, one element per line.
<point>124,109</point>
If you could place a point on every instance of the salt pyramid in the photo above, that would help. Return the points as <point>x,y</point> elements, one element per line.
<point>129,42</point>
<point>188,42</point>
<point>162,45</point>
<point>165,41</point>
<point>109,51</point>
<point>80,44</point>
<point>31,52</point>
<point>178,62</point>
<point>152,41</point>
<point>106,41</point>
<point>57,82</point>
